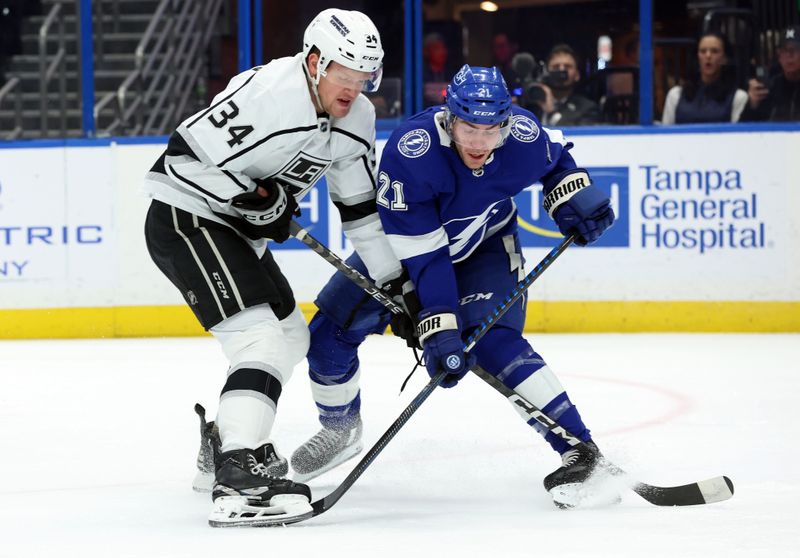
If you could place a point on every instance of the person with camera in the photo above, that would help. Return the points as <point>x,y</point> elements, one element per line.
<point>710,93</point>
<point>558,101</point>
<point>778,99</point>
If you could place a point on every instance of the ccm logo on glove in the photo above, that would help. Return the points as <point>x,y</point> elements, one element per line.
<point>267,210</point>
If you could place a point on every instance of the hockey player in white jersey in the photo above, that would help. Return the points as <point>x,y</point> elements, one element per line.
<point>228,181</point>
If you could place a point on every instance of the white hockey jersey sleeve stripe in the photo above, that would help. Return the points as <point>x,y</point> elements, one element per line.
<point>266,139</point>
<point>348,226</point>
<point>351,135</point>
<point>353,200</point>
<point>406,247</point>
<point>369,169</point>
<point>175,175</point>
<point>187,163</point>
<point>235,180</point>
<point>373,246</point>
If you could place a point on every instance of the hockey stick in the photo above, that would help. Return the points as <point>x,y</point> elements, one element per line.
<point>353,274</point>
<point>717,489</point>
<point>324,504</point>
<point>708,491</point>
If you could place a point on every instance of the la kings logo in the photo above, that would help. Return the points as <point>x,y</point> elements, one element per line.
<point>302,172</point>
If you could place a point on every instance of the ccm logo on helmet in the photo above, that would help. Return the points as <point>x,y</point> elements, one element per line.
<point>484,113</point>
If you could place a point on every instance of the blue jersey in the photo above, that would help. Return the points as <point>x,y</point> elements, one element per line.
<point>436,211</point>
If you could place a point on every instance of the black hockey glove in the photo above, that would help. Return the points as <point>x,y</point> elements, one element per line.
<point>267,211</point>
<point>401,290</point>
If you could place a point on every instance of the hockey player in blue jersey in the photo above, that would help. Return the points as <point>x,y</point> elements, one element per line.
<point>445,187</point>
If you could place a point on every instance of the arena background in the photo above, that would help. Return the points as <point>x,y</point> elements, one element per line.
<point>707,237</point>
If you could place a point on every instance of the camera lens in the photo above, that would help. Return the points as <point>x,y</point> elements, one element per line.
<point>556,78</point>
<point>535,94</point>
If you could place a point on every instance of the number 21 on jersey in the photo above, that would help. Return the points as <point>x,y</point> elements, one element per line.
<point>397,203</point>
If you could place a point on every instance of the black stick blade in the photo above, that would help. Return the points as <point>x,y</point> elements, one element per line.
<point>708,491</point>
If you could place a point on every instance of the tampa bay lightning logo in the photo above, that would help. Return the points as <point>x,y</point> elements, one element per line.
<point>414,143</point>
<point>453,362</point>
<point>524,129</point>
<point>461,76</point>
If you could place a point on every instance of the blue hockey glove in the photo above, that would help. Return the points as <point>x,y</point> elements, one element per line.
<point>577,206</point>
<point>440,336</point>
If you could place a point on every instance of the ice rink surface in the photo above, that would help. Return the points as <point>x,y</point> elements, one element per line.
<point>99,439</point>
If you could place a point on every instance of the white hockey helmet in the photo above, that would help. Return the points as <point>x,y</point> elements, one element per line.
<point>348,38</point>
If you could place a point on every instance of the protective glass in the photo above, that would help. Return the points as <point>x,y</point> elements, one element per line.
<point>353,79</point>
<point>477,137</point>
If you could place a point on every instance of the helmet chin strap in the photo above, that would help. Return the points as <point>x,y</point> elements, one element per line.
<point>314,83</point>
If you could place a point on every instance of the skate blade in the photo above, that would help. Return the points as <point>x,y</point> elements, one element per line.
<point>347,454</point>
<point>599,490</point>
<point>236,512</point>
<point>203,482</point>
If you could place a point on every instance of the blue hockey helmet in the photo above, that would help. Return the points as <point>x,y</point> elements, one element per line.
<point>479,95</point>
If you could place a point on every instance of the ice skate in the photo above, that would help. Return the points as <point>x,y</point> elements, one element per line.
<point>583,480</point>
<point>246,495</point>
<point>326,449</point>
<point>209,447</point>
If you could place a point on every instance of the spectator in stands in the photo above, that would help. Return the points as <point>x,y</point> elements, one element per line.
<point>779,99</point>
<point>626,54</point>
<point>437,69</point>
<point>710,93</point>
<point>503,50</point>
<point>562,106</point>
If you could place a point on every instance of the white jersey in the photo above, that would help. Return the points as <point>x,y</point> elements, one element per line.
<point>265,125</point>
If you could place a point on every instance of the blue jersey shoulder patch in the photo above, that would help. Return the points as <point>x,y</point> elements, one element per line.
<point>415,143</point>
<point>524,128</point>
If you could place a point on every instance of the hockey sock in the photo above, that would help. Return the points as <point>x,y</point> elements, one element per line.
<point>509,357</point>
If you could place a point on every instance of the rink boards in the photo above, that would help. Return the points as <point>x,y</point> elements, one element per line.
<point>707,238</point>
